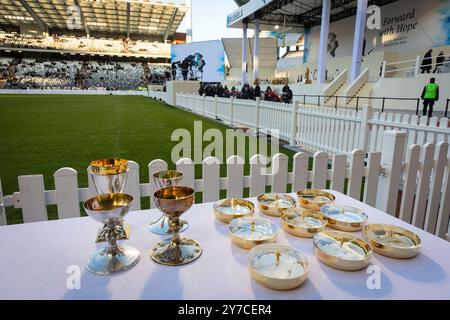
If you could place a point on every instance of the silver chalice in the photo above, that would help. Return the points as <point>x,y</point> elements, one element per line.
<point>109,209</point>
<point>162,179</point>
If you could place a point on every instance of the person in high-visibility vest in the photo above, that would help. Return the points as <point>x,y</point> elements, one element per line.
<point>430,95</point>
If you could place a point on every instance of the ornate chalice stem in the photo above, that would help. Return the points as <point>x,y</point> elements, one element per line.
<point>175,229</point>
<point>112,238</point>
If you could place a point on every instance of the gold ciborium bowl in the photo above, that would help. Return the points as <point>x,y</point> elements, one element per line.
<point>163,179</point>
<point>167,178</point>
<point>108,206</point>
<point>174,201</point>
<point>109,209</point>
<point>109,175</point>
<point>314,199</point>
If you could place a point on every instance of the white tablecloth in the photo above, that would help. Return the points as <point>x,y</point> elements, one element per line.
<point>35,258</point>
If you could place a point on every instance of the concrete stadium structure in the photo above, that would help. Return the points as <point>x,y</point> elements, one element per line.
<point>351,48</point>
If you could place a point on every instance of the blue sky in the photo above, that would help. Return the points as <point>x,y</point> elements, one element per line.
<point>209,20</point>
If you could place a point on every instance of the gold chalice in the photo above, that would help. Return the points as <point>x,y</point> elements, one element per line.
<point>167,178</point>
<point>110,209</point>
<point>174,201</point>
<point>110,176</point>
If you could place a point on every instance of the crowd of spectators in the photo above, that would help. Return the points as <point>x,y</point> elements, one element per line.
<point>61,74</point>
<point>247,92</point>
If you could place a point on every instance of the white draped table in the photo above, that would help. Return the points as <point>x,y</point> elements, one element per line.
<point>37,260</point>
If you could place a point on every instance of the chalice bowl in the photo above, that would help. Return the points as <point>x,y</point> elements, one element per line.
<point>174,201</point>
<point>162,179</point>
<point>110,176</point>
<point>109,209</point>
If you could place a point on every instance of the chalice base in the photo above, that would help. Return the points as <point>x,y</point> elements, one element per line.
<point>186,251</point>
<point>103,263</point>
<point>162,227</point>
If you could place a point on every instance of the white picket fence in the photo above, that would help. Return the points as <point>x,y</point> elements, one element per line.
<point>335,131</point>
<point>423,180</point>
<point>263,116</point>
<point>158,95</point>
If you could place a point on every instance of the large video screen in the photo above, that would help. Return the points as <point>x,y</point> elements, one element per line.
<point>203,61</point>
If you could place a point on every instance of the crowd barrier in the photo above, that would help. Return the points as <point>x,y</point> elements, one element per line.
<point>376,178</point>
<point>335,131</point>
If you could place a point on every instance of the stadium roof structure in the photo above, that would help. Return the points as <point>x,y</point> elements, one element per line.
<point>113,16</point>
<point>292,13</point>
<point>267,52</point>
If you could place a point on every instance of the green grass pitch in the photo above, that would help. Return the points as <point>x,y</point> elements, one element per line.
<point>42,133</point>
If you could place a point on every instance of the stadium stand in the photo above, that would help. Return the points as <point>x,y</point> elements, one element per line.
<point>61,74</point>
<point>61,44</point>
<point>83,44</point>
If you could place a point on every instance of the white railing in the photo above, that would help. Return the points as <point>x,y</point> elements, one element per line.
<point>424,180</point>
<point>420,130</point>
<point>411,68</point>
<point>336,131</point>
<point>263,116</point>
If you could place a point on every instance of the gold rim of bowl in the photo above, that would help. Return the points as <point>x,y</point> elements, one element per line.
<point>274,282</point>
<point>108,201</point>
<point>336,261</point>
<point>298,230</point>
<point>347,226</point>
<point>313,204</point>
<point>174,193</point>
<point>228,217</point>
<point>274,211</point>
<point>246,243</point>
<point>112,166</point>
<point>167,174</point>
<point>390,250</point>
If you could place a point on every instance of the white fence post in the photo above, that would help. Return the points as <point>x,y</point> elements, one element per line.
<point>231,110</point>
<point>294,123</point>
<point>66,186</point>
<point>215,106</point>
<point>133,186</point>
<point>2,207</point>
<point>416,69</point>
<point>203,104</point>
<point>364,129</point>
<point>211,179</point>
<point>391,161</point>
<point>258,102</point>
<point>32,198</point>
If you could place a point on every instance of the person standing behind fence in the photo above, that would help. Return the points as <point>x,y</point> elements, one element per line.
<point>430,95</point>
<point>257,89</point>
<point>427,62</point>
<point>287,94</point>
<point>440,59</point>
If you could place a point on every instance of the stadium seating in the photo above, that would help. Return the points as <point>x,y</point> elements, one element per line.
<point>62,74</point>
<point>82,44</point>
